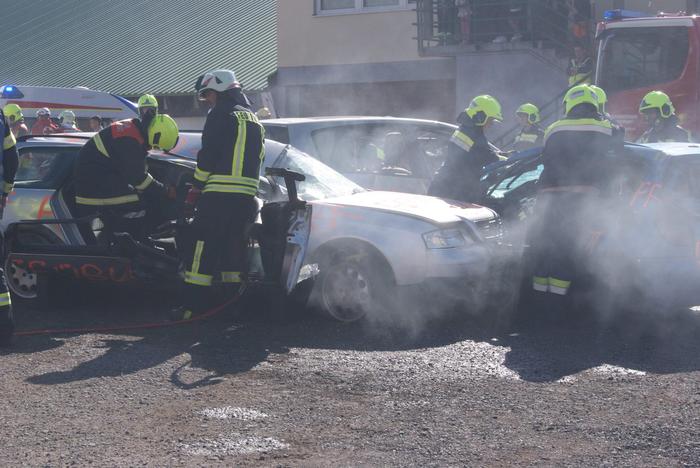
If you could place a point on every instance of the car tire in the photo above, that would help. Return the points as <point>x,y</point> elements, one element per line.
<point>7,327</point>
<point>353,286</point>
<point>23,285</point>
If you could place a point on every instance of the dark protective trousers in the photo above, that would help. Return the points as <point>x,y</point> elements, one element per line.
<point>5,302</point>
<point>561,238</point>
<point>138,219</point>
<point>217,244</point>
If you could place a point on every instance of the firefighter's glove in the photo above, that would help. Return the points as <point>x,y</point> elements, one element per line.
<point>191,198</point>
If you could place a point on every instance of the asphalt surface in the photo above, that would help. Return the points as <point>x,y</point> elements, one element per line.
<point>253,387</point>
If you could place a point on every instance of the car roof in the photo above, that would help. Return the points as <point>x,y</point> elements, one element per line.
<point>187,146</point>
<point>63,139</point>
<point>351,119</point>
<point>675,149</point>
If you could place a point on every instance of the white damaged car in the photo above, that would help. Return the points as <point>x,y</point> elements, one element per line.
<point>368,246</point>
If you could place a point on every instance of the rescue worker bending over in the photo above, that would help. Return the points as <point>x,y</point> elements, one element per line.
<point>43,124</point>
<point>576,155</point>
<point>67,119</point>
<point>9,167</point>
<point>660,114</point>
<point>468,152</point>
<point>15,118</point>
<point>112,180</point>
<point>531,134</point>
<point>227,178</point>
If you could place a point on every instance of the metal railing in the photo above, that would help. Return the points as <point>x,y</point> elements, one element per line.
<point>448,25</point>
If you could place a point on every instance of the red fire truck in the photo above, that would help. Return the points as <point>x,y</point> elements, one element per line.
<point>642,54</point>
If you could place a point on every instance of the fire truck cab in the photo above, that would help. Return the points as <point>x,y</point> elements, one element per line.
<point>641,54</point>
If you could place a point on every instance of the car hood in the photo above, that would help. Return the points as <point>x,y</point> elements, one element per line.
<point>432,209</point>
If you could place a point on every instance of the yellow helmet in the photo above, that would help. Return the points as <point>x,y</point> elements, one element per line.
<point>580,94</point>
<point>484,107</point>
<point>660,101</point>
<point>148,100</point>
<point>602,97</point>
<point>531,110</point>
<point>13,113</point>
<point>163,132</point>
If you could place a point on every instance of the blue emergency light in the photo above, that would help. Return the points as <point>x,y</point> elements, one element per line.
<point>614,15</point>
<point>11,92</point>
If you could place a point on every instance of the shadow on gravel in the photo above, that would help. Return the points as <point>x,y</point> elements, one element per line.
<point>546,352</point>
<point>237,340</point>
<point>232,342</point>
<point>216,348</point>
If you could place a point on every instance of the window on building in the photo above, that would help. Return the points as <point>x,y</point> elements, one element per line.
<point>379,3</point>
<point>358,6</point>
<point>329,5</point>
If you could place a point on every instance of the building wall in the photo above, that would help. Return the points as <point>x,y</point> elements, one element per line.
<point>305,39</point>
<point>363,63</point>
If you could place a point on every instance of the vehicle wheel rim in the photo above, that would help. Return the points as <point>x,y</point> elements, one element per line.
<point>21,282</point>
<point>346,293</point>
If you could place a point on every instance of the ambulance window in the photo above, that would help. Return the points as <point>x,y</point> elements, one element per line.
<point>44,168</point>
<point>639,57</point>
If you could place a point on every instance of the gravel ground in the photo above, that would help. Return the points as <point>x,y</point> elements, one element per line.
<point>249,387</point>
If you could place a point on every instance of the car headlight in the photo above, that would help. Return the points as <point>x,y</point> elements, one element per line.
<point>444,239</point>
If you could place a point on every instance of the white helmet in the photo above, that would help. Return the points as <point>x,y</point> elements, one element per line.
<point>67,116</point>
<point>43,111</point>
<point>217,80</point>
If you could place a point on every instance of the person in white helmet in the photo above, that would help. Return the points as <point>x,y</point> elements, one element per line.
<point>43,124</point>
<point>67,119</point>
<point>223,192</point>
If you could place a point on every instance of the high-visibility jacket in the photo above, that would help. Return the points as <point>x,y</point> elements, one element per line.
<point>666,130</point>
<point>580,73</point>
<point>576,152</point>
<point>111,167</point>
<point>467,154</point>
<point>530,136</point>
<point>233,148</point>
<point>10,159</point>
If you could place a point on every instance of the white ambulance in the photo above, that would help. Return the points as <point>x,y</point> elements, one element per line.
<point>86,103</point>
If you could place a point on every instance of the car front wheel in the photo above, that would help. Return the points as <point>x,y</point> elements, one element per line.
<point>21,282</point>
<point>354,286</point>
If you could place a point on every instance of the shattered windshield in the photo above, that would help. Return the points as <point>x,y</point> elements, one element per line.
<point>321,181</point>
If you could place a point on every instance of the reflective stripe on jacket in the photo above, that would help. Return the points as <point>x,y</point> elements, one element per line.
<point>111,167</point>
<point>233,148</point>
